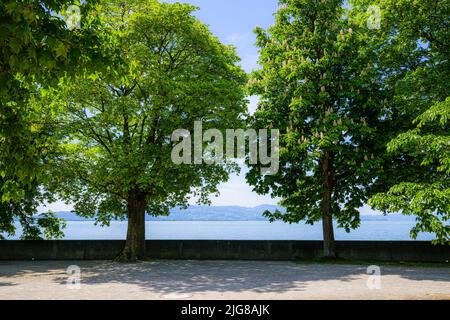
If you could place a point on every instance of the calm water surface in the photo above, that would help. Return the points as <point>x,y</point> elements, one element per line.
<point>372,228</point>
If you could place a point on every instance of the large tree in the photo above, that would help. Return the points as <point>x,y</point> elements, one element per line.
<point>413,51</point>
<point>317,86</point>
<point>115,159</point>
<point>37,47</point>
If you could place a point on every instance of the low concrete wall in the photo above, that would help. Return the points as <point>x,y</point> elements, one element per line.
<point>238,250</point>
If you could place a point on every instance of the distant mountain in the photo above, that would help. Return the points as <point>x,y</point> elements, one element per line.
<point>226,213</point>
<point>70,216</point>
<point>201,213</point>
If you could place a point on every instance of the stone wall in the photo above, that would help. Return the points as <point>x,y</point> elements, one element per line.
<point>224,250</point>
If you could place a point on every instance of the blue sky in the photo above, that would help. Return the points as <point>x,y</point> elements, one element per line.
<point>233,21</point>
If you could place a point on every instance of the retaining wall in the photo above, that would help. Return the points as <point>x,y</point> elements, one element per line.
<point>224,250</point>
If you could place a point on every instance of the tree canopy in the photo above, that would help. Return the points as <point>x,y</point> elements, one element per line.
<point>341,84</point>
<point>115,158</point>
<point>317,87</point>
<point>37,48</point>
<point>413,51</point>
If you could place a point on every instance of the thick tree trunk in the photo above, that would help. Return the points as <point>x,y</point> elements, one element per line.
<point>134,249</point>
<point>326,164</point>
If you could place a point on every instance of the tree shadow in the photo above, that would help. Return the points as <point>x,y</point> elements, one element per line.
<point>189,277</point>
<point>438,273</point>
<point>210,276</point>
<point>7,284</point>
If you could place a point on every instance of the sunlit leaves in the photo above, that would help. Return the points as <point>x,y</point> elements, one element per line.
<point>37,49</point>
<point>167,70</point>
<point>413,44</point>
<point>318,86</point>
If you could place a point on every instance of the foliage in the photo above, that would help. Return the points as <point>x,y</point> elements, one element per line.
<point>168,71</point>
<point>317,86</point>
<point>413,49</point>
<point>428,200</point>
<point>37,48</point>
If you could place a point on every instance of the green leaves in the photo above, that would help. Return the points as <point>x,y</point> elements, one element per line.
<point>429,202</point>
<point>51,225</point>
<point>166,71</point>
<point>414,47</point>
<point>60,50</point>
<point>37,49</point>
<point>316,86</point>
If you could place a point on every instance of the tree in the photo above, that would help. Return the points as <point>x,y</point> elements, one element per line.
<point>33,227</point>
<point>428,200</point>
<point>318,87</point>
<point>37,48</point>
<point>413,48</point>
<point>167,72</point>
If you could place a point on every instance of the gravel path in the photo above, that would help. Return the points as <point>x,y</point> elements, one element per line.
<point>201,280</point>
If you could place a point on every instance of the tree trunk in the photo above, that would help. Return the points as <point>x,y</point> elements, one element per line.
<point>134,249</point>
<point>326,164</point>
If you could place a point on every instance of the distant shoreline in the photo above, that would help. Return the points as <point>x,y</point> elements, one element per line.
<point>167,219</point>
<point>215,213</point>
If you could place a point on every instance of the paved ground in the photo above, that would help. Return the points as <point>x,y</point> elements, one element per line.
<point>218,280</point>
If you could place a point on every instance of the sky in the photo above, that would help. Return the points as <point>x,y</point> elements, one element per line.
<point>233,22</point>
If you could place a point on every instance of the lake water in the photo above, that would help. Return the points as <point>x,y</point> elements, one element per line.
<point>372,228</point>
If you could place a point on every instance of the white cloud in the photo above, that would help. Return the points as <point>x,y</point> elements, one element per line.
<point>235,38</point>
<point>55,207</point>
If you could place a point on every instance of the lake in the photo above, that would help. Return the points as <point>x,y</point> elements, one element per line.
<point>393,227</point>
